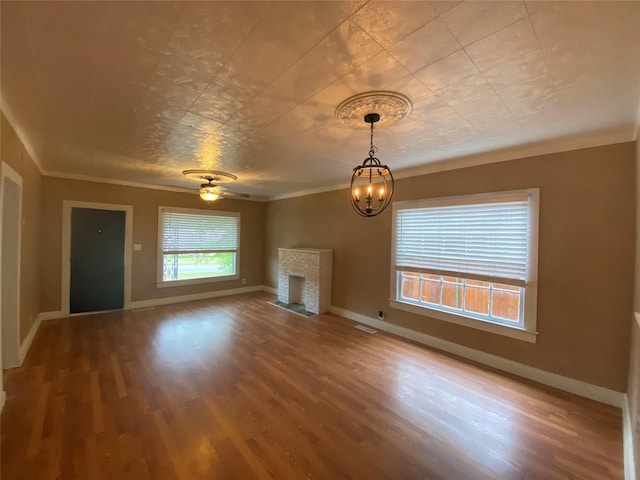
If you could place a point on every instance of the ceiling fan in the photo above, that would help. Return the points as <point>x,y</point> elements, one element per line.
<point>212,191</point>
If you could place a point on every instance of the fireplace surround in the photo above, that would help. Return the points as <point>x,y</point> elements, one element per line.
<point>304,277</point>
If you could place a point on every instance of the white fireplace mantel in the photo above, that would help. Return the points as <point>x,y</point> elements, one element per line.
<point>304,276</point>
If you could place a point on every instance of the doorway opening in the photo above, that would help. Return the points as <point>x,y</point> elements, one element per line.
<point>11,201</point>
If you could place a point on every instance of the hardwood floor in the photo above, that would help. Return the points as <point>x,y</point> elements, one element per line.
<point>235,388</point>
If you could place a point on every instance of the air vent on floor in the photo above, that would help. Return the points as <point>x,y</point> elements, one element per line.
<point>366,329</point>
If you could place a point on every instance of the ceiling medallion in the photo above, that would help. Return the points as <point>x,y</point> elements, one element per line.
<point>210,176</point>
<point>391,106</point>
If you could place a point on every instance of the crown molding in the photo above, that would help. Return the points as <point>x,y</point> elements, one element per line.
<point>521,151</point>
<point>491,156</point>
<point>124,183</point>
<point>311,191</point>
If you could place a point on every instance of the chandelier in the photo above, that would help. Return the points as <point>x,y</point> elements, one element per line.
<point>371,182</point>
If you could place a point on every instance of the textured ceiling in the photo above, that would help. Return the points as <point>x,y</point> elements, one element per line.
<point>139,91</point>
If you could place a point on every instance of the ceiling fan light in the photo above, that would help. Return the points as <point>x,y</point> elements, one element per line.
<point>208,195</point>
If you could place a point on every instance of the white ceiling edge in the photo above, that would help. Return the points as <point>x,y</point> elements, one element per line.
<point>493,156</point>
<point>125,183</point>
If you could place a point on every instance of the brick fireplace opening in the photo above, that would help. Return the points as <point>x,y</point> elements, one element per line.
<point>296,287</point>
<point>304,277</point>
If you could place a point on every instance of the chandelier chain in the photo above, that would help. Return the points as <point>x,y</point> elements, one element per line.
<point>373,148</point>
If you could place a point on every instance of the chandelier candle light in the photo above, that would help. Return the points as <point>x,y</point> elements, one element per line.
<point>371,182</point>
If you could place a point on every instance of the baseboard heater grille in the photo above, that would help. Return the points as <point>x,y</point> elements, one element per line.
<point>366,329</point>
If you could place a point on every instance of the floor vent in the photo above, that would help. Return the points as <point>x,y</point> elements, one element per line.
<point>366,329</point>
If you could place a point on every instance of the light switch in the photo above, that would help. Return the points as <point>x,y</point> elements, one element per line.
<point>137,247</point>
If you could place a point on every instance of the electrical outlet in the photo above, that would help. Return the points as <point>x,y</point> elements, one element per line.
<point>244,281</point>
<point>380,315</point>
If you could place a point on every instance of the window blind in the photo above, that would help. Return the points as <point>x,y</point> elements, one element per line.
<point>189,233</point>
<point>486,241</point>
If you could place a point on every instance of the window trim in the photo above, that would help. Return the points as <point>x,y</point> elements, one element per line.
<point>160,283</point>
<point>527,331</point>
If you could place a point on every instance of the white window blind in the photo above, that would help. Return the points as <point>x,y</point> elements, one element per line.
<point>189,233</point>
<point>485,241</point>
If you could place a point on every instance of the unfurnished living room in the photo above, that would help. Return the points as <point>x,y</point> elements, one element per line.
<point>320,240</point>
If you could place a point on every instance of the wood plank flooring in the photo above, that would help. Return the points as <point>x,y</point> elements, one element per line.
<point>235,388</point>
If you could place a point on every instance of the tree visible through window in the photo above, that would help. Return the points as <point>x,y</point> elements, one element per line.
<point>198,244</point>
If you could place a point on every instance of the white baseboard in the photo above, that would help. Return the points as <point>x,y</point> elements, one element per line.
<point>594,392</point>
<point>627,441</point>
<point>268,289</point>
<point>3,398</point>
<point>154,302</point>
<point>42,316</point>
<point>26,344</point>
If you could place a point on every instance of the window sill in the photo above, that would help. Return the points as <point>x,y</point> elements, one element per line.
<point>499,329</point>
<point>195,281</point>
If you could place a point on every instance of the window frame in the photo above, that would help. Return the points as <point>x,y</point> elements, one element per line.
<point>160,282</point>
<point>526,330</point>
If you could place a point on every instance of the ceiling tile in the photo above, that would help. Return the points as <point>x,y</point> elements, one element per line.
<point>583,49</point>
<point>410,87</point>
<point>471,21</point>
<point>516,43</point>
<point>433,117</point>
<point>350,7</point>
<point>200,123</point>
<point>389,22</point>
<point>435,40</point>
<point>264,55</point>
<point>477,102</point>
<point>224,97</point>
<point>304,24</point>
<point>529,96</point>
<point>447,71</point>
<point>443,6</point>
<point>337,54</point>
<point>534,6</point>
<point>375,74</point>
<point>264,109</point>
<point>142,90</point>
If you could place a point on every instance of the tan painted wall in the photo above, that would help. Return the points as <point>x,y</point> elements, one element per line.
<point>633,391</point>
<point>145,204</point>
<point>586,251</point>
<point>14,154</point>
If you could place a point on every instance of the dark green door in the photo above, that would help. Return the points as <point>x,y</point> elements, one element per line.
<point>97,260</point>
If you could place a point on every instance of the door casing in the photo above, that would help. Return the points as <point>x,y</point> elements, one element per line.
<point>67,206</point>
<point>10,331</point>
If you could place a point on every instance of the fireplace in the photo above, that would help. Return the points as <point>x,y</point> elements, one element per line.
<point>304,277</point>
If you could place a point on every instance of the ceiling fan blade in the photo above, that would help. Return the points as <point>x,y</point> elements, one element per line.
<point>233,194</point>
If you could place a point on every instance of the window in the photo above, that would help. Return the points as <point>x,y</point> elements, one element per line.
<point>469,260</point>
<point>197,246</point>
